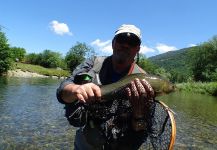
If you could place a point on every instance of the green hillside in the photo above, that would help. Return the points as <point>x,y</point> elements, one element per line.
<point>175,62</point>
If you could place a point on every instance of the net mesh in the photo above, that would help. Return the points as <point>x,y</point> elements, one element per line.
<point>160,128</point>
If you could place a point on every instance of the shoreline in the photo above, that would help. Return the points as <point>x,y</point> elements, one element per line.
<point>26,74</point>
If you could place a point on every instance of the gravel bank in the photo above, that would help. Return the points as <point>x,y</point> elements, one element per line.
<point>26,74</point>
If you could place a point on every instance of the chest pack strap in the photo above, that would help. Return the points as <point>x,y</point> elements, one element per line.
<point>94,72</point>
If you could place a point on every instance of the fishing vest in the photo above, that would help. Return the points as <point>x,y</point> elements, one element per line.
<point>98,73</point>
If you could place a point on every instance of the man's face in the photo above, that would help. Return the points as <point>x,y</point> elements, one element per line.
<point>124,53</point>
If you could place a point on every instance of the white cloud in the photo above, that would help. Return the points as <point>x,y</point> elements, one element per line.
<point>162,48</point>
<point>145,49</point>
<point>105,47</point>
<point>99,43</point>
<point>191,45</point>
<point>59,28</point>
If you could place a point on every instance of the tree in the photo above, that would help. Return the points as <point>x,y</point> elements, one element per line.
<point>147,65</point>
<point>18,54</point>
<point>50,59</point>
<point>47,59</point>
<point>77,54</point>
<point>162,73</point>
<point>5,55</point>
<point>32,58</point>
<point>203,61</point>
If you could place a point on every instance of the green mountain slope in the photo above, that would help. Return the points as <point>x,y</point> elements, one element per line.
<point>171,60</point>
<point>175,62</point>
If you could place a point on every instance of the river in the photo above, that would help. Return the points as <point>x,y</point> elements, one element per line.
<point>32,118</point>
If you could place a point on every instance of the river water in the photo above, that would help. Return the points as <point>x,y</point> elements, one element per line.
<point>32,118</point>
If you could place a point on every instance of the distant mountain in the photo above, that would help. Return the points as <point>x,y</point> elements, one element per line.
<point>175,62</point>
<point>171,59</point>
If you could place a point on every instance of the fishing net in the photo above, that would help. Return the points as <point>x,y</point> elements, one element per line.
<point>160,122</point>
<point>162,128</point>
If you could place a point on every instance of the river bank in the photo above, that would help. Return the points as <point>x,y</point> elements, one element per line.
<point>33,71</point>
<point>26,74</point>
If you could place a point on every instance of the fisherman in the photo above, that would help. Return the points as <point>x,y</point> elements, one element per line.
<point>118,124</point>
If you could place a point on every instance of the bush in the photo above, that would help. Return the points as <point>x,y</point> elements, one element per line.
<point>18,54</point>
<point>46,59</point>
<point>5,54</point>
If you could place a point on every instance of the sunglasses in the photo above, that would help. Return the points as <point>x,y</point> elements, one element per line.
<point>128,38</point>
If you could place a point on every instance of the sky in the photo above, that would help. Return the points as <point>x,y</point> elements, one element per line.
<point>57,25</point>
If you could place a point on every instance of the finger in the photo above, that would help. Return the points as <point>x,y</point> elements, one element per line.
<point>138,110</point>
<point>97,92</point>
<point>90,94</point>
<point>140,88</point>
<point>128,93</point>
<point>148,88</point>
<point>135,93</point>
<point>82,91</point>
<point>80,98</point>
<point>134,96</point>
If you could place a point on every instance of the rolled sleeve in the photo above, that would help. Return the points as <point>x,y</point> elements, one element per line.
<point>59,90</point>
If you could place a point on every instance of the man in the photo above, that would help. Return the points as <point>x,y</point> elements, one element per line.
<point>119,124</point>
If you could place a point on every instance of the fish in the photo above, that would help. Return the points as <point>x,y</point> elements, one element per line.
<point>159,85</point>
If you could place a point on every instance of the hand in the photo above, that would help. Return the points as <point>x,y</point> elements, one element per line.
<point>85,93</point>
<point>139,93</point>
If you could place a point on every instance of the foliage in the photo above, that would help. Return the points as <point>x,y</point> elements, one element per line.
<point>199,87</point>
<point>77,54</point>
<point>151,68</point>
<point>162,73</point>
<point>175,63</point>
<point>147,65</point>
<point>47,58</point>
<point>50,59</point>
<point>32,58</point>
<point>18,54</point>
<point>203,60</point>
<point>197,63</point>
<point>5,54</point>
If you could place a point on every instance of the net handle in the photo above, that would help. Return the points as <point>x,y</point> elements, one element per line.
<point>173,123</point>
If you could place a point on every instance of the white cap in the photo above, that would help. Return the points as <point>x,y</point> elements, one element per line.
<point>126,28</point>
